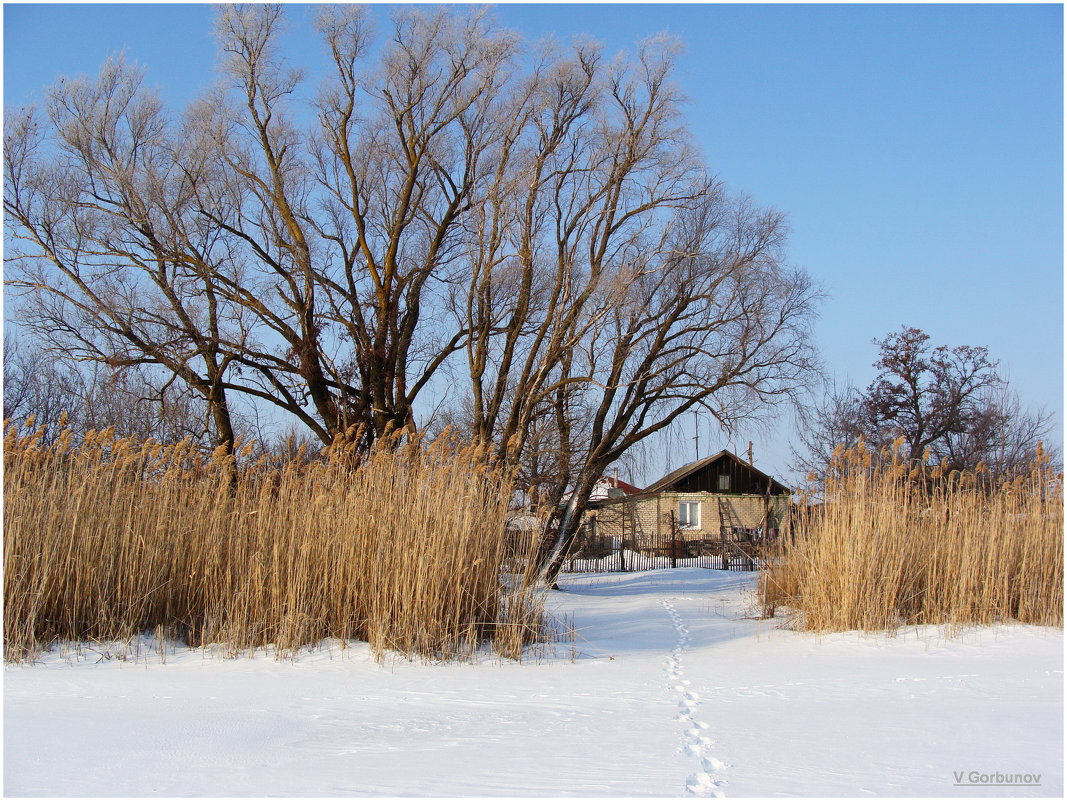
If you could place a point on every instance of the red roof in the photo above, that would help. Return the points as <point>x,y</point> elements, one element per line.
<point>629,489</point>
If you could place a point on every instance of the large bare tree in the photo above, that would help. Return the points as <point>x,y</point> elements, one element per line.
<point>308,266</point>
<point>715,322</point>
<point>537,222</point>
<point>615,286</point>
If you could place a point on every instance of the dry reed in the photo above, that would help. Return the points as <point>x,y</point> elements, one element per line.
<point>893,545</point>
<point>111,538</point>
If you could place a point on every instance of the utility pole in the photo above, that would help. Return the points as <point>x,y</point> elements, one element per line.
<point>750,451</point>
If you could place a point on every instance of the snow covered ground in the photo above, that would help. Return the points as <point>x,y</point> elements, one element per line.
<point>667,690</point>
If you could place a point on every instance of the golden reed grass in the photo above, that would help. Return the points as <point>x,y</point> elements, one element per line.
<point>111,538</point>
<point>893,545</point>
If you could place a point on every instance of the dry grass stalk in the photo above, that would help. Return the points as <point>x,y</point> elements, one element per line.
<point>402,547</point>
<point>895,545</point>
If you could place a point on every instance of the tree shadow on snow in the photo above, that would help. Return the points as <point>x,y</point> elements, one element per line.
<point>626,612</point>
<point>677,581</point>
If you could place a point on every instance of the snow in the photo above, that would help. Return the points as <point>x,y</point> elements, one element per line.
<point>667,689</point>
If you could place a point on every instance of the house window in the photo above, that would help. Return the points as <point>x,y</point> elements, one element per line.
<point>689,514</point>
<point>724,482</point>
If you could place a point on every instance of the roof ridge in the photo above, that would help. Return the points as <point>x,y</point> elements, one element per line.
<point>687,469</point>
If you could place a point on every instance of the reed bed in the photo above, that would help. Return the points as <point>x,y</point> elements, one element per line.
<point>402,547</point>
<point>891,545</point>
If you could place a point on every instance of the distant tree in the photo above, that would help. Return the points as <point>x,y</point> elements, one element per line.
<point>926,394</point>
<point>946,404</point>
<point>39,386</point>
<point>837,418</point>
<point>1002,437</point>
<point>91,396</point>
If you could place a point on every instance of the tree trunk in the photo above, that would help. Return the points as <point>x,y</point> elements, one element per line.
<point>569,525</point>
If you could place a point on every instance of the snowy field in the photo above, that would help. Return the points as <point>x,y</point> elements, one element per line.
<point>668,689</point>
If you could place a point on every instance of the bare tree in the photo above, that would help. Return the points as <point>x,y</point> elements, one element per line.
<point>615,286</point>
<point>306,269</point>
<point>353,226</point>
<point>943,404</point>
<point>837,419</point>
<point>717,324</point>
<point>38,386</point>
<point>541,218</point>
<point>406,162</point>
<point>92,396</point>
<point>101,228</point>
<point>925,394</point>
<point>1002,437</point>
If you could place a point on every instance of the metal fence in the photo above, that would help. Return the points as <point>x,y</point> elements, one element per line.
<point>734,549</point>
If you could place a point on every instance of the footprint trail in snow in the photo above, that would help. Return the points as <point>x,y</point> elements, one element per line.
<point>707,781</point>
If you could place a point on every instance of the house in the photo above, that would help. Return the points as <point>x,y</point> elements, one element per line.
<point>523,526</point>
<point>608,488</point>
<point>692,506</point>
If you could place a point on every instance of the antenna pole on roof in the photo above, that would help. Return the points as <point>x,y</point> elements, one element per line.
<point>696,436</point>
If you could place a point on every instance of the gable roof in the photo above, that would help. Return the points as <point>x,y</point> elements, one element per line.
<point>675,476</point>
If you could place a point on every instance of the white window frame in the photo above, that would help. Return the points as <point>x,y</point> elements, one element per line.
<point>686,517</point>
<point>724,483</point>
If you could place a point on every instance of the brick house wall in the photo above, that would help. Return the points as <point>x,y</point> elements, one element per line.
<point>650,516</point>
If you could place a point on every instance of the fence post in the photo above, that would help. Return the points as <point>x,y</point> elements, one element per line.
<point>672,526</point>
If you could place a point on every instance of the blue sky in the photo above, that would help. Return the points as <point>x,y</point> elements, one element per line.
<point>917,149</point>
